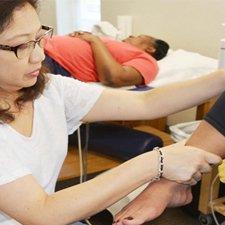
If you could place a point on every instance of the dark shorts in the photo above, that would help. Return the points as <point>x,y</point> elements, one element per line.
<point>54,67</point>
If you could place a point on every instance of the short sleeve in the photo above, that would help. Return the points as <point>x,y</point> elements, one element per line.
<point>146,65</point>
<point>11,168</point>
<point>78,98</point>
<point>216,116</point>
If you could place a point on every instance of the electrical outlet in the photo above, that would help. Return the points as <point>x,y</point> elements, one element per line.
<point>125,25</point>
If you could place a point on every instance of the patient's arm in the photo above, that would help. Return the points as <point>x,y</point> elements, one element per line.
<point>110,72</point>
<point>153,201</point>
<point>208,138</point>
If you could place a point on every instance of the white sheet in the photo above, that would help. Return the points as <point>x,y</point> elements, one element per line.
<point>182,65</point>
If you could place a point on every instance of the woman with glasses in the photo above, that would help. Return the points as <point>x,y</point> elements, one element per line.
<point>38,111</point>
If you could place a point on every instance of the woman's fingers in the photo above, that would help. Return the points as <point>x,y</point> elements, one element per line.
<point>78,33</point>
<point>212,158</point>
<point>197,176</point>
<point>192,182</point>
<point>205,168</point>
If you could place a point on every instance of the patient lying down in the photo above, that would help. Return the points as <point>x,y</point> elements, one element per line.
<point>89,58</point>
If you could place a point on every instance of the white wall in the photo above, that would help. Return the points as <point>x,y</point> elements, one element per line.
<point>68,15</point>
<point>47,12</point>
<point>194,25</point>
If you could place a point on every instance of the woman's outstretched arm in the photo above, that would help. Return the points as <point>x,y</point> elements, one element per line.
<point>156,103</point>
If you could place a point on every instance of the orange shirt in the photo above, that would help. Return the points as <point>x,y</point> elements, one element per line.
<point>75,55</point>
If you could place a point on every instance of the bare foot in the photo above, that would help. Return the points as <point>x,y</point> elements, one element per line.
<point>153,201</point>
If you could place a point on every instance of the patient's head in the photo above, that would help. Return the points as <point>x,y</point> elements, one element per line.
<point>155,47</point>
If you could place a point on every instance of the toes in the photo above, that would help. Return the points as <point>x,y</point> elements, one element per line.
<point>135,221</point>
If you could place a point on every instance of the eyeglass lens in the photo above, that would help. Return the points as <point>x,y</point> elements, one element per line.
<point>26,49</point>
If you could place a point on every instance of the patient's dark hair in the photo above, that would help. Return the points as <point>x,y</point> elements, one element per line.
<point>7,9</point>
<point>161,49</point>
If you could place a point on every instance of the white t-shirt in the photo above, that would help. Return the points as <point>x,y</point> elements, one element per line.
<point>57,113</point>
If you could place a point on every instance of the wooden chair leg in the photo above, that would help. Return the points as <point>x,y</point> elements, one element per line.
<point>204,198</point>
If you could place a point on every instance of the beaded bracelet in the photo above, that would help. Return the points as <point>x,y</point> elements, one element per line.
<point>160,165</point>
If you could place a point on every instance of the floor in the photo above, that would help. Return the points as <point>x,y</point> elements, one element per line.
<point>175,216</point>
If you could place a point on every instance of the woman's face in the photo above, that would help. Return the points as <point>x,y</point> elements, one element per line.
<point>15,73</point>
<point>143,42</point>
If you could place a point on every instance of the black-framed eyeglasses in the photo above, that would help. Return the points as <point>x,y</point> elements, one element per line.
<point>24,50</point>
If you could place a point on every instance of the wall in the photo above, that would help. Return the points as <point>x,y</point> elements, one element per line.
<point>47,12</point>
<point>68,15</point>
<point>194,25</point>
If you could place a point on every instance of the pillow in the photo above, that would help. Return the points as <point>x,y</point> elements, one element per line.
<point>116,140</point>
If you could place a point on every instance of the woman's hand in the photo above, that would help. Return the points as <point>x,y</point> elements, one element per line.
<point>86,36</point>
<point>185,164</point>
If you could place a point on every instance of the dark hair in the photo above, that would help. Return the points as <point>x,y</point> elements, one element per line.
<point>161,49</point>
<point>7,8</point>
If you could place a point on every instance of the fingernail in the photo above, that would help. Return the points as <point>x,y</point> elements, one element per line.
<point>129,218</point>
